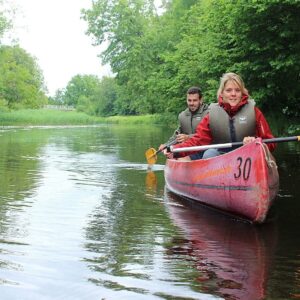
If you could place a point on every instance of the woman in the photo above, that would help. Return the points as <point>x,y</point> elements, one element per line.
<point>234,118</point>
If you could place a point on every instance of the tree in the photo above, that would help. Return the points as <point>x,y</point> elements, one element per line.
<point>78,87</point>
<point>58,98</point>
<point>21,80</point>
<point>123,23</point>
<point>157,57</point>
<point>106,97</point>
<point>221,36</point>
<point>167,32</point>
<point>270,60</point>
<point>6,16</point>
<point>80,92</point>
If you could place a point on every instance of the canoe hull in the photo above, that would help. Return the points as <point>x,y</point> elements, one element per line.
<point>243,182</point>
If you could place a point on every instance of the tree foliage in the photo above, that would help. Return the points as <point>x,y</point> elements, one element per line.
<point>89,94</point>
<point>6,16</point>
<point>124,24</point>
<point>156,57</point>
<point>106,97</point>
<point>21,80</point>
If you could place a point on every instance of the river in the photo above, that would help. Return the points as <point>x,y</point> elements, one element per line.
<point>82,217</point>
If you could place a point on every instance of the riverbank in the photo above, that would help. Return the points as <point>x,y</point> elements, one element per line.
<point>46,117</point>
<point>41,117</point>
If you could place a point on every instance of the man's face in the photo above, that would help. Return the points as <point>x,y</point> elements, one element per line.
<point>193,101</point>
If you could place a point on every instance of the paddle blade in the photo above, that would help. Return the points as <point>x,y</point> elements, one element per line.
<point>151,156</point>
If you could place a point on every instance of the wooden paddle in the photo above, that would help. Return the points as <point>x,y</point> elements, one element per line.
<point>151,154</point>
<point>229,145</point>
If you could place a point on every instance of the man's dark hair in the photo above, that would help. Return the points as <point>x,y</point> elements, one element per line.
<point>195,90</point>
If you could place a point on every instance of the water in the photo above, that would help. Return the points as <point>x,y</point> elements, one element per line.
<point>81,217</point>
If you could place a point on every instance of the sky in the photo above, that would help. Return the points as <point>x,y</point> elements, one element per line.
<point>52,32</point>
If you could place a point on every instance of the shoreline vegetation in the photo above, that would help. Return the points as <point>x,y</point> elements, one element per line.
<point>47,117</point>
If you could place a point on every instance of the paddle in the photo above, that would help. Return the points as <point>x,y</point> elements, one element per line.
<point>151,154</point>
<point>229,145</point>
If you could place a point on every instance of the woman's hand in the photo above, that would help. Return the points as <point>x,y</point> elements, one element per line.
<point>248,139</point>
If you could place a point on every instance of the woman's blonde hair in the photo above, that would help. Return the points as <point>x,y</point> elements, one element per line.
<point>231,77</point>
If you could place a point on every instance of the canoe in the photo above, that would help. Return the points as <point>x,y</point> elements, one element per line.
<point>242,182</point>
<point>231,259</point>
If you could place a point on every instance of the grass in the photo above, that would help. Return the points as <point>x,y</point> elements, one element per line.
<point>44,117</point>
<point>132,120</point>
<point>35,117</point>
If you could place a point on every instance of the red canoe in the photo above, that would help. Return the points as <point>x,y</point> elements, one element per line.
<point>242,182</point>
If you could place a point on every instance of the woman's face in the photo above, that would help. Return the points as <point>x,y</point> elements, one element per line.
<point>232,93</point>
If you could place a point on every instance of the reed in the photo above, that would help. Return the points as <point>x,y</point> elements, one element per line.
<point>39,117</point>
<point>132,120</point>
<point>34,117</point>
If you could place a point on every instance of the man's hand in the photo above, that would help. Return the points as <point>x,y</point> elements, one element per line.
<point>181,137</point>
<point>168,154</point>
<point>161,147</point>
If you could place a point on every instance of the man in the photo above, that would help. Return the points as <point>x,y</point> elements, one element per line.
<point>190,117</point>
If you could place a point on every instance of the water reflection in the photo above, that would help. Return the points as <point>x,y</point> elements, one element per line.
<point>232,258</point>
<point>151,181</point>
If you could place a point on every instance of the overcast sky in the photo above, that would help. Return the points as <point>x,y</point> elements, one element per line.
<point>52,31</point>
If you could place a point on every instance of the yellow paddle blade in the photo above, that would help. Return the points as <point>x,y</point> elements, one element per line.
<point>151,156</point>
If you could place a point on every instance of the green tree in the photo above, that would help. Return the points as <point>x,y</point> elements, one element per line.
<point>165,34</point>
<point>21,80</point>
<point>258,39</point>
<point>6,16</point>
<point>80,92</point>
<point>123,23</point>
<point>105,98</point>
<point>268,52</point>
<point>157,57</point>
<point>58,98</point>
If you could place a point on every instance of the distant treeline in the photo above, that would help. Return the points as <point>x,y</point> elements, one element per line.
<point>157,53</point>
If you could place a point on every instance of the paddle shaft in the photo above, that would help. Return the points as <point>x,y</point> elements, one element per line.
<point>230,145</point>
